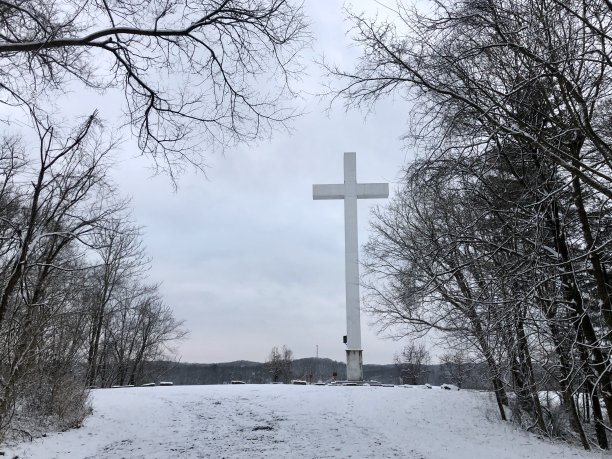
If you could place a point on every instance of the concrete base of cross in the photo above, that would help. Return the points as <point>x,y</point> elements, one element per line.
<point>354,365</point>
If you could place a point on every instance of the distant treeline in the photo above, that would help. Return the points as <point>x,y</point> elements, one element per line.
<point>309,369</point>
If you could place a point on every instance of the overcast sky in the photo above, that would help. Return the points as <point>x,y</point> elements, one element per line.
<point>245,256</point>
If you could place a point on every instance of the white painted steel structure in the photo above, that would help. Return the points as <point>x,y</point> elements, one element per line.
<point>350,191</point>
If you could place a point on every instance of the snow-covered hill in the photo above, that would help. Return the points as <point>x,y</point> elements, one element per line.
<point>276,421</point>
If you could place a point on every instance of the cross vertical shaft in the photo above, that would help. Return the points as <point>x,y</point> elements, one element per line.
<point>351,255</point>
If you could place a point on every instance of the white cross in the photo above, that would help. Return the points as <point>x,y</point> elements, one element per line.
<point>350,191</point>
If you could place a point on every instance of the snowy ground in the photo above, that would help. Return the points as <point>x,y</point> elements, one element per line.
<point>276,421</point>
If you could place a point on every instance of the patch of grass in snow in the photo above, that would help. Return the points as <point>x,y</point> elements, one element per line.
<point>263,428</point>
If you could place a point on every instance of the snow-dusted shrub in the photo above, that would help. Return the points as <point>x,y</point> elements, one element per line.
<point>51,401</point>
<point>559,422</point>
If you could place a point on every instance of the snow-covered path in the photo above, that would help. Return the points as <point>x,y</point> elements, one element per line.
<point>276,421</point>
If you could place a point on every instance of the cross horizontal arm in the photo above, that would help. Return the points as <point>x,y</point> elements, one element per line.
<point>372,190</point>
<point>332,191</point>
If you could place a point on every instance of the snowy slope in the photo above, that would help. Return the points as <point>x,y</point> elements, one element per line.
<point>276,421</point>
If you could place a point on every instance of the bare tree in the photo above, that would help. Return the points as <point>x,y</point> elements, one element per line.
<point>141,330</point>
<point>193,73</point>
<point>60,203</point>
<point>279,364</point>
<point>71,272</point>
<point>121,261</point>
<point>498,238</point>
<point>412,362</point>
<point>456,367</point>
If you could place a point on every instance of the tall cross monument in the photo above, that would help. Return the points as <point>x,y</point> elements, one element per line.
<point>350,191</point>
